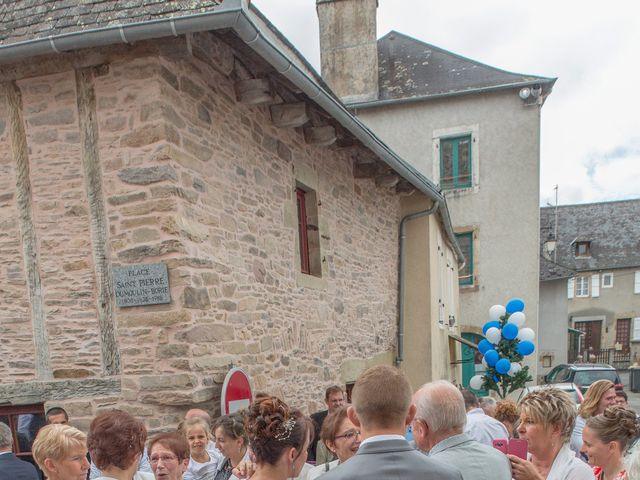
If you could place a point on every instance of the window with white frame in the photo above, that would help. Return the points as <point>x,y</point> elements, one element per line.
<point>635,337</point>
<point>582,286</point>
<point>607,280</point>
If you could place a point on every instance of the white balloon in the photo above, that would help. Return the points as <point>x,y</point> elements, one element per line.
<point>484,363</point>
<point>494,335</point>
<point>476,382</point>
<point>517,318</point>
<point>515,368</point>
<point>496,312</point>
<point>526,334</point>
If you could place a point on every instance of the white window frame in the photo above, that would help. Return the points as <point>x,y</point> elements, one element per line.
<point>605,276</point>
<point>636,282</point>
<point>635,330</point>
<point>582,280</point>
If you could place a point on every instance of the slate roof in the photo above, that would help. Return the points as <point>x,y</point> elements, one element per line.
<point>28,19</point>
<point>410,68</point>
<point>613,228</point>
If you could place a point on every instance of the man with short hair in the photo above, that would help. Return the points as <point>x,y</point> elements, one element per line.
<point>438,429</point>
<point>480,426</point>
<point>382,409</point>
<point>57,416</point>
<point>334,398</point>
<point>11,467</point>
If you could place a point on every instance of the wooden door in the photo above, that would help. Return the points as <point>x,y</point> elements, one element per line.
<point>592,335</point>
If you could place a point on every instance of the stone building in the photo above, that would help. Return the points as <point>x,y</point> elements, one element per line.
<point>473,129</point>
<point>193,135</point>
<point>590,284</point>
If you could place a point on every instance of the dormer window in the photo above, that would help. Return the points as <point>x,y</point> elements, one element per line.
<point>583,249</point>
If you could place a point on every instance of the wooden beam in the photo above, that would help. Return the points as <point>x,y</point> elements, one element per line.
<point>387,180</point>
<point>253,91</point>
<point>30,253</point>
<point>321,136</point>
<point>404,188</point>
<point>86,99</point>
<point>365,170</point>
<point>289,115</point>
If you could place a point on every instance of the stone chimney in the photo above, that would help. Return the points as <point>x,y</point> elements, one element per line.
<point>348,48</point>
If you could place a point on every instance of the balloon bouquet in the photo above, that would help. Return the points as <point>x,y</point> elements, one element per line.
<point>505,345</point>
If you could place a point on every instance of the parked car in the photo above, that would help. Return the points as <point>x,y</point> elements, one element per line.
<point>571,388</point>
<point>583,375</point>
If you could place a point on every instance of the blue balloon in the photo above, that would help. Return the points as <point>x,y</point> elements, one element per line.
<point>496,379</point>
<point>491,357</point>
<point>484,346</point>
<point>503,366</point>
<point>510,331</point>
<point>515,305</point>
<point>488,325</point>
<point>525,348</point>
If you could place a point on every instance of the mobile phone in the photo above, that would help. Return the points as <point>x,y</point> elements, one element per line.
<point>501,444</point>
<point>518,447</point>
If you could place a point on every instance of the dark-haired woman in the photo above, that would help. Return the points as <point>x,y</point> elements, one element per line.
<point>231,440</point>
<point>605,440</point>
<point>279,438</point>
<point>341,437</point>
<point>116,442</point>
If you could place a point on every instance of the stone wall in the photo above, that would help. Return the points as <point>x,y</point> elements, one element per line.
<point>190,177</point>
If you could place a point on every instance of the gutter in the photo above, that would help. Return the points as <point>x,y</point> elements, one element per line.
<point>436,96</point>
<point>234,14</point>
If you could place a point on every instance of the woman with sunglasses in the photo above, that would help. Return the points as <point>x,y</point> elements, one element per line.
<point>341,437</point>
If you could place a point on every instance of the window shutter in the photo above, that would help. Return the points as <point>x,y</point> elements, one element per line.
<point>636,329</point>
<point>595,285</point>
<point>570,287</point>
<point>636,284</point>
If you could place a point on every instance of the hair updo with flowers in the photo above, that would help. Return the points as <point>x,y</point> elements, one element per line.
<point>273,427</point>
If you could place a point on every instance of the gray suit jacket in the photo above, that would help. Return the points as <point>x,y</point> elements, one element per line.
<point>473,459</point>
<point>391,460</point>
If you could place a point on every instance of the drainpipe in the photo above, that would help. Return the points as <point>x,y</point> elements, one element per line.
<point>403,235</point>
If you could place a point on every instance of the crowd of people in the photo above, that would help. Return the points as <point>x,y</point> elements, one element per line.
<point>388,431</point>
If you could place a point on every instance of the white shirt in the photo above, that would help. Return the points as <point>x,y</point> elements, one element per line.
<point>483,428</point>
<point>382,438</point>
<point>321,469</point>
<point>567,467</point>
<point>576,436</point>
<point>207,470</point>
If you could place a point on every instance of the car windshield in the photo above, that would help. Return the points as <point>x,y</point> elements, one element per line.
<point>588,377</point>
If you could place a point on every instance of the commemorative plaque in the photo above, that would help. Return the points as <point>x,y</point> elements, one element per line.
<point>142,284</point>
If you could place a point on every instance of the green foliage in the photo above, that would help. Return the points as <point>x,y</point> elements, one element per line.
<point>506,384</point>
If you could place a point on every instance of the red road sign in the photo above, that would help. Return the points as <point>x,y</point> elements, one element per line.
<point>236,392</point>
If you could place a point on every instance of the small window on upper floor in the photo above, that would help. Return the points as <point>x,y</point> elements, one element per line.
<point>582,249</point>
<point>607,280</point>
<point>455,162</point>
<point>582,286</point>
<point>308,231</point>
<point>465,276</point>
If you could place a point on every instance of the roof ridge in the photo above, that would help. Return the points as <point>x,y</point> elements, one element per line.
<point>606,202</point>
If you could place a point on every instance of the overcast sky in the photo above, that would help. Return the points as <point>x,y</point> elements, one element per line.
<point>590,124</point>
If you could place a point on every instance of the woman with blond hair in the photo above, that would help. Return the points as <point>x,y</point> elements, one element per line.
<point>599,396</point>
<point>546,421</point>
<point>605,440</point>
<point>61,452</point>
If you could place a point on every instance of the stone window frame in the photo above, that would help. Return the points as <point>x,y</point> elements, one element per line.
<point>448,133</point>
<point>307,179</point>
<point>605,276</point>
